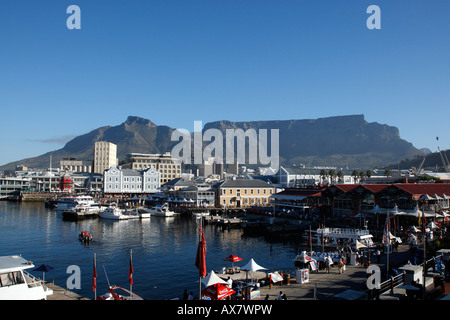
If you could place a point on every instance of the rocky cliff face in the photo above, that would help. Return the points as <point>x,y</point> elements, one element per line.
<point>334,141</point>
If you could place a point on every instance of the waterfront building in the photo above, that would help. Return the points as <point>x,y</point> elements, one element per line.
<point>199,196</point>
<point>105,156</point>
<point>243,193</point>
<point>127,181</point>
<point>73,165</point>
<point>163,163</point>
<point>299,200</point>
<point>9,185</point>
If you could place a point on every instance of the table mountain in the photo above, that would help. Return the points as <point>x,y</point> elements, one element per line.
<point>334,141</point>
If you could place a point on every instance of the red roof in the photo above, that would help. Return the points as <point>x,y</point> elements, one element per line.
<point>425,188</point>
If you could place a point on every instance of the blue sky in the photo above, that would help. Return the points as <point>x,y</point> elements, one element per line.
<point>176,61</point>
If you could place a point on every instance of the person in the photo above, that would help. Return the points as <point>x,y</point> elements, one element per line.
<point>191,296</point>
<point>267,297</point>
<point>283,297</point>
<point>280,296</point>
<point>328,263</point>
<point>230,283</point>
<point>185,294</point>
<point>340,266</point>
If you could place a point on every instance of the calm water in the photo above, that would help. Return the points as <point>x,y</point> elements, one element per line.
<point>163,249</point>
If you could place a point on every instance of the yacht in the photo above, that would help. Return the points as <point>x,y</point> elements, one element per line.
<point>161,211</point>
<point>17,284</point>
<point>114,213</point>
<point>73,203</point>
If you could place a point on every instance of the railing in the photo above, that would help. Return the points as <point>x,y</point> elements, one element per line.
<point>342,231</point>
<point>399,280</point>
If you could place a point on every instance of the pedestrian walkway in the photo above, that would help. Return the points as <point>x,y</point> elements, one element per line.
<point>323,285</point>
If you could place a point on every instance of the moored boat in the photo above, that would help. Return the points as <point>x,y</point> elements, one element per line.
<point>114,213</point>
<point>17,284</point>
<point>161,211</point>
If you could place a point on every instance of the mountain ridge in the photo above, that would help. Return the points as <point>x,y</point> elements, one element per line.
<point>347,140</point>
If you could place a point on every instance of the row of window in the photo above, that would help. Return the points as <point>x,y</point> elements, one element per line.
<point>244,201</point>
<point>238,191</point>
<point>132,186</point>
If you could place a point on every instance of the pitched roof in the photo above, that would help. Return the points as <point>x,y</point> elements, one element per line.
<point>245,183</point>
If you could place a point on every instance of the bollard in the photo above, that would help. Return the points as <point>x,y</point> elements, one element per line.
<point>288,279</point>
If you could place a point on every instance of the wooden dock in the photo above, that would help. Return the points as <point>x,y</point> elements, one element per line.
<point>60,293</point>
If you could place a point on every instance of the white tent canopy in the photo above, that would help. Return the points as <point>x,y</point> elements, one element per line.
<point>252,266</point>
<point>212,279</point>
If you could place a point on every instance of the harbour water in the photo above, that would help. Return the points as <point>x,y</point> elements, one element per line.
<point>163,249</point>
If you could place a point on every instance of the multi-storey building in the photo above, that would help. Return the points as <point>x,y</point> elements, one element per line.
<point>243,193</point>
<point>164,163</point>
<point>128,181</point>
<point>105,156</point>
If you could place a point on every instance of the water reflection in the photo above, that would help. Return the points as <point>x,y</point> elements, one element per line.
<point>163,249</point>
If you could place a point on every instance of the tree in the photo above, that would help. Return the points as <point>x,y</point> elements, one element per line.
<point>332,175</point>
<point>340,175</point>
<point>362,175</point>
<point>369,173</point>
<point>388,173</point>
<point>323,174</point>
<point>355,175</point>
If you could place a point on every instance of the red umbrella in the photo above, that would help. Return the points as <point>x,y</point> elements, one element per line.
<point>232,258</point>
<point>218,291</point>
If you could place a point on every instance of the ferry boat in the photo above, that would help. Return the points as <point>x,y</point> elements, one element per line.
<point>161,211</point>
<point>114,213</point>
<point>84,203</point>
<point>17,284</point>
<point>340,236</point>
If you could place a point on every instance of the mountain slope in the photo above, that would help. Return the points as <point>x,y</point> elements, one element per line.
<point>334,141</point>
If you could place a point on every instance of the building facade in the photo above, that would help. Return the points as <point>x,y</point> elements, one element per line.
<point>164,163</point>
<point>105,156</point>
<point>127,181</point>
<point>243,193</point>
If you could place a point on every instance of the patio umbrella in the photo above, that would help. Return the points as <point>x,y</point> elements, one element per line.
<point>232,258</point>
<point>218,291</point>
<point>252,266</point>
<point>212,279</point>
<point>44,268</point>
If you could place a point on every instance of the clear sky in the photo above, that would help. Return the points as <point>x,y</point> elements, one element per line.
<point>176,61</point>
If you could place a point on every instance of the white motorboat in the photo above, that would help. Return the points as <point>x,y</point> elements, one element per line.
<point>143,213</point>
<point>114,213</point>
<point>17,284</point>
<point>132,214</point>
<point>82,202</point>
<point>161,211</point>
<point>201,214</point>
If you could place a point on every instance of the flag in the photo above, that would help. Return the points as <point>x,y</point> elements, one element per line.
<point>130,272</point>
<point>200,261</point>
<point>94,277</point>
<point>359,245</point>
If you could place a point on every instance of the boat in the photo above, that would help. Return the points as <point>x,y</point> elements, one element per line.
<point>84,203</point>
<point>132,214</point>
<point>200,214</point>
<point>334,237</point>
<point>114,213</point>
<point>85,237</point>
<point>113,295</point>
<point>143,213</point>
<point>161,211</point>
<point>17,284</point>
<point>138,213</point>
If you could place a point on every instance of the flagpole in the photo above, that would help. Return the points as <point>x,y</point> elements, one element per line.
<point>95,279</point>
<point>388,241</point>
<point>131,264</point>
<point>199,272</point>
